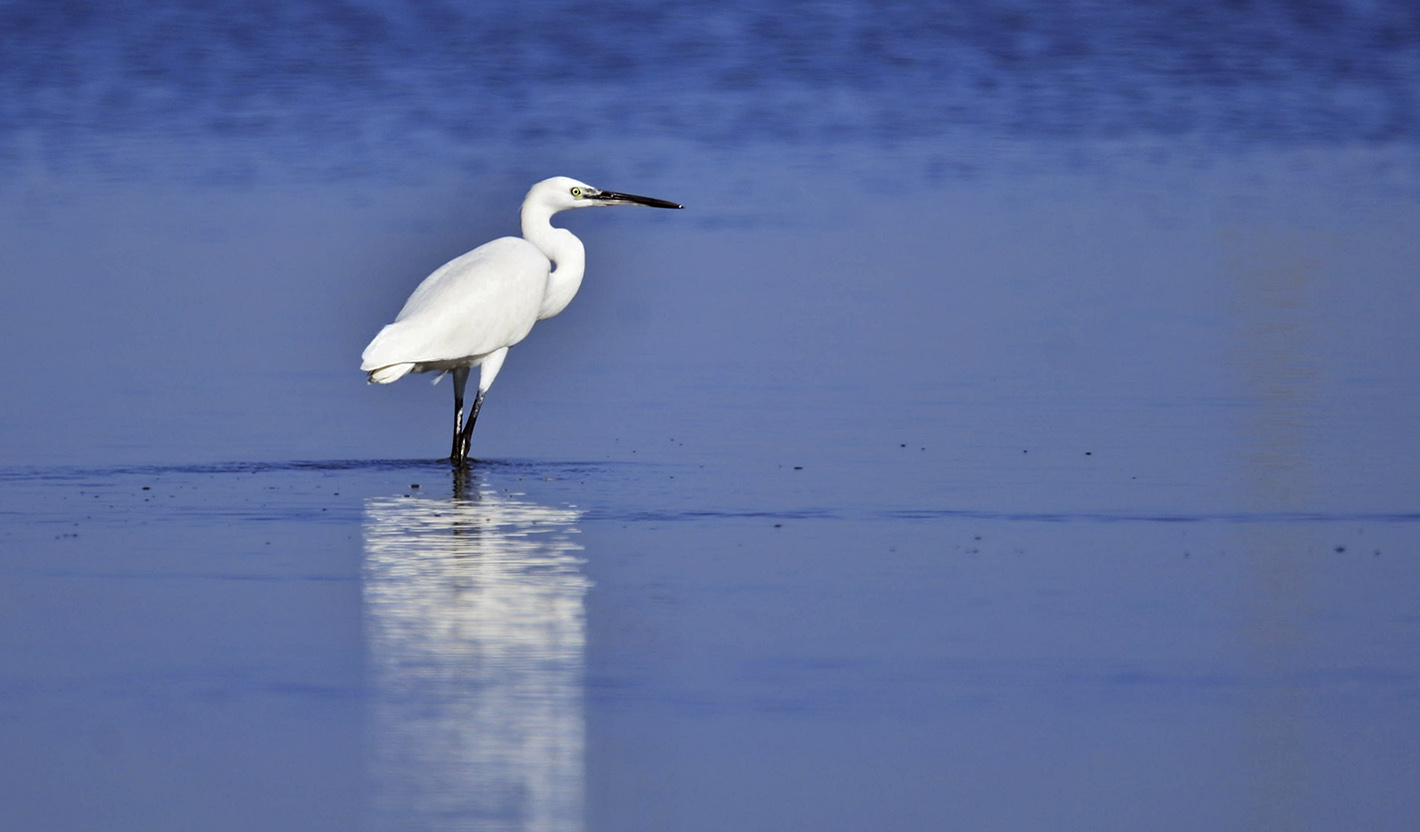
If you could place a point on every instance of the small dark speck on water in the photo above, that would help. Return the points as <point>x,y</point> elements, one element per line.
<point>1340,549</point>
<point>903,445</point>
<point>778,525</point>
<point>1089,453</point>
<point>798,467</point>
<point>414,485</point>
<point>146,488</point>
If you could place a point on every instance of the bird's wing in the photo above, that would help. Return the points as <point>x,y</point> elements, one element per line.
<point>479,302</point>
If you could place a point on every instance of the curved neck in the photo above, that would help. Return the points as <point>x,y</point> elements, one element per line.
<point>569,258</point>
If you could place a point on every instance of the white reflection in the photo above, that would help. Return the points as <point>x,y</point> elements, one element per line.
<point>476,634</point>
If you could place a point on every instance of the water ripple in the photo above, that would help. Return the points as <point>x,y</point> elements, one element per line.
<point>345,81</point>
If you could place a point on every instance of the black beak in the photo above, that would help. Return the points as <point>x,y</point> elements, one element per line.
<point>615,198</point>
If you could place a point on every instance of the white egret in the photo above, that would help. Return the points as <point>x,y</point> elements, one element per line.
<point>474,307</point>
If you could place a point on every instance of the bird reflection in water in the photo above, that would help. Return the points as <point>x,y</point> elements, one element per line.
<point>476,632</point>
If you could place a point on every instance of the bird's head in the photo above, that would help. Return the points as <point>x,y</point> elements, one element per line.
<point>562,193</point>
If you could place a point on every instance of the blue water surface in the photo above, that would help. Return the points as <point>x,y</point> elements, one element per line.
<point>1019,429</point>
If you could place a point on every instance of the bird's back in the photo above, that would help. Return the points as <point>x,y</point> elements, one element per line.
<point>471,306</point>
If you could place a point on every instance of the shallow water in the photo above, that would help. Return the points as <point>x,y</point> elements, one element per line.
<point>557,645</point>
<point>1017,430</point>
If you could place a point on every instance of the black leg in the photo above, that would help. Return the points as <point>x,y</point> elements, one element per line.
<point>460,379</point>
<point>462,457</point>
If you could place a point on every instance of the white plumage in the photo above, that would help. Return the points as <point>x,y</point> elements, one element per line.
<point>473,308</point>
<point>474,305</point>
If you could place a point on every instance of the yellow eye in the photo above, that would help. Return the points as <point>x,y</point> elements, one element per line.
<point>577,192</point>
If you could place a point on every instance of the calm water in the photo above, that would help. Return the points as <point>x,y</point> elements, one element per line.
<point>1019,429</point>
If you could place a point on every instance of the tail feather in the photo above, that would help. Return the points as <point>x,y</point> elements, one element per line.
<point>389,373</point>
